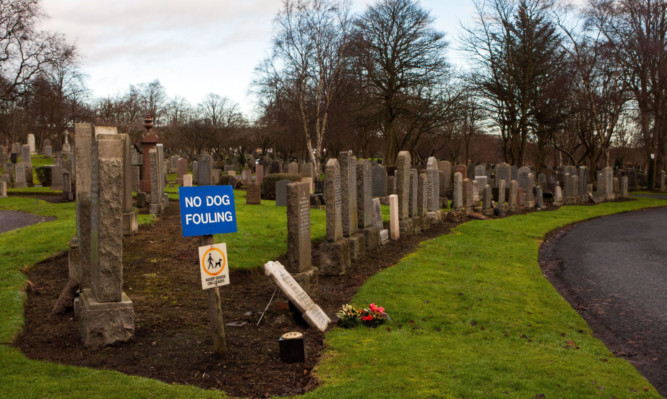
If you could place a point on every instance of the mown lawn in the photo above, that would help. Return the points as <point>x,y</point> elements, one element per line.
<point>472,315</point>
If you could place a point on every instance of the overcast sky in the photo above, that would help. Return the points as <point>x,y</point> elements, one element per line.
<point>193,47</point>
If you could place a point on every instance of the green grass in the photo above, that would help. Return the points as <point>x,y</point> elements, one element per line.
<point>484,274</point>
<point>646,193</point>
<point>473,316</point>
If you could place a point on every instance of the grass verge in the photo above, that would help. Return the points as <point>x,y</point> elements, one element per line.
<point>473,316</point>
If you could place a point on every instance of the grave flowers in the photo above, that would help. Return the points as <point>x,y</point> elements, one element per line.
<point>372,316</point>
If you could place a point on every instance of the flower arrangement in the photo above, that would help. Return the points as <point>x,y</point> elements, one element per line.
<point>372,316</point>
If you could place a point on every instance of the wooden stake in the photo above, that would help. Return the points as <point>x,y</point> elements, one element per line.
<point>215,311</point>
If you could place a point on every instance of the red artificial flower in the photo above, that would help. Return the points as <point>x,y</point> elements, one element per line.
<point>373,307</point>
<point>367,318</point>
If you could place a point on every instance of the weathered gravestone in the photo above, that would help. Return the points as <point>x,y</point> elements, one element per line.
<point>253,194</point>
<point>364,195</point>
<point>187,180</point>
<point>181,170</point>
<point>281,192</point>
<point>311,313</point>
<point>403,184</point>
<point>433,184</point>
<point>513,202</point>
<point>31,144</point>
<point>379,181</point>
<point>259,173</point>
<point>457,197</point>
<point>293,168</point>
<point>105,313</point>
<point>446,168</point>
<point>348,179</point>
<point>67,187</point>
<point>205,170</point>
<point>298,229</point>
<point>414,195</point>
<point>25,154</point>
<point>19,176</point>
<point>383,234</point>
<point>335,257</point>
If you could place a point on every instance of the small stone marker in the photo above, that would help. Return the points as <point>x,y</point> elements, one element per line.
<point>393,217</point>
<point>213,265</point>
<point>187,180</point>
<point>311,312</point>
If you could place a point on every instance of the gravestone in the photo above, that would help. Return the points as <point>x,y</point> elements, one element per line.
<point>503,172</point>
<point>195,172</point>
<point>281,192</point>
<point>155,206</point>
<point>457,200</point>
<point>529,194</point>
<point>333,200</point>
<point>67,187</point>
<point>482,181</point>
<point>414,196</point>
<point>468,193</point>
<point>335,256</point>
<point>253,194</point>
<point>379,181</point>
<point>433,183</point>
<point>19,176</point>
<point>259,173</point>
<point>394,227</point>
<point>583,183</point>
<point>306,170</point>
<point>523,173</point>
<point>181,169</point>
<point>539,197</point>
<point>83,146</point>
<point>56,177</point>
<point>476,200</point>
<point>298,295</point>
<point>130,222</point>
<point>513,203</point>
<point>136,177</point>
<point>422,200</point>
<point>205,170</point>
<point>377,214</point>
<point>446,168</point>
<point>471,172</point>
<point>25,154</point>
<point>623,183</point>
<point>187,180</point>
<point>609,183</point>
<point>480,170</point>
<point>31,144</point>
<point>246,176</point>
<point>462,170</point>
<point>348,179</point>
<point>298,227</point>
<point>514,172</point>
<point>105,313</point>
<point>403,184</point>
<point>293,168</point>
<point>364,195</point>
<point>3,189</point>
<point>48,151</point>
<point>542,181</point>
<point>173,164</point>
<point>558,196</point>
<point>502,189</point>
<point>275,167</point>
<point>487,203</point>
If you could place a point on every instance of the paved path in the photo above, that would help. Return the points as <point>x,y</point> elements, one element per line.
<point>615,273</point>
<point>10,220</point>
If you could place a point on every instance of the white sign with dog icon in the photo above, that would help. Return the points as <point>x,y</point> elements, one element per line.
<point>213,265</point>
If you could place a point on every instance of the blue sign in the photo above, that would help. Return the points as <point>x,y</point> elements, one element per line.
<point>207,210</point>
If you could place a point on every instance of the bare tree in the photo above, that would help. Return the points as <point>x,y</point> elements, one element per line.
<point>637,32</point>
<point>403,58</point>
<point>517,49</point>
<point>305,68</point>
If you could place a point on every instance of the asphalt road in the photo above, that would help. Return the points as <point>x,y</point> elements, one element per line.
<point>10,220</point>
<point>614,270</point>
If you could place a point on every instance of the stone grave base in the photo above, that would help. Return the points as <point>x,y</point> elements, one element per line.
<point>406,227</point>
<point>416,225</point>
<point>436,216</point>
<point>20,185</point>
<point>308,280</point>
<point>371,236</point>
<point>334,257</point>
<point>155,209</point>
<point>357,246</point>
<point>130,223</point>
<point>457,215</point>
<point>104,323</point>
